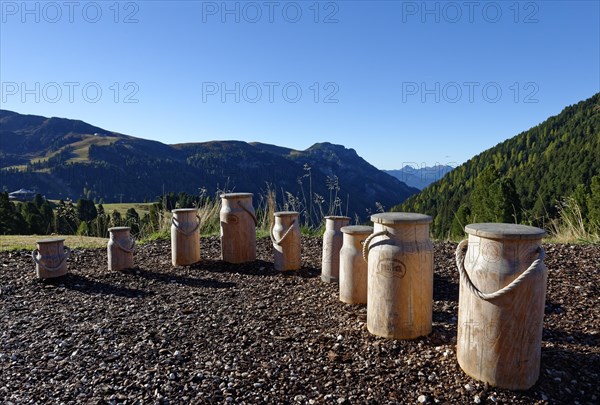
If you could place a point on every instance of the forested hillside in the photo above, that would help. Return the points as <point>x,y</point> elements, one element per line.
<point>523,179</point>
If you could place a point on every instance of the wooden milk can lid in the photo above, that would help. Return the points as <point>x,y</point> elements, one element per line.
<point>50,240</point>
<point>119,228</point>
<point>405,218</point>
<point>505,231</point>
<point>236,195</point>
<point>357,229</point>
<point>285,213</point>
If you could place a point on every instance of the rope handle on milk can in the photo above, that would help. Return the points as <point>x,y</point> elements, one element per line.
<point>284,235</point>
<point>366,247</point>
<point>66,255</point>
<point>460,263</point>
<point>190,233</point>
<point>249,212</point>
<point>124,249</point>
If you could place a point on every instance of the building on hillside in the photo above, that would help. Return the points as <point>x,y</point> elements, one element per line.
<point>21,195</point>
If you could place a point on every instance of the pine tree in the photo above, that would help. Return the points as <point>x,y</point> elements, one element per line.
<point>482,206</point>
<point>86,210</point>
<point>581,196</point>
<point>38,200</point>
<point>66,218</point>
<point>11,220</point>
<point>132,219</point>
<point>101,223</point>
<point>504,198</point>
<point>33,217</point>
<point>47,216</point>
<point>116,219</point>
<point>594,203</point>
<point>461,219</point>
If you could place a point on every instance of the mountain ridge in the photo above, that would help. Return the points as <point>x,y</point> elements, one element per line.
<point>420,177</point>
<point>65,158</point>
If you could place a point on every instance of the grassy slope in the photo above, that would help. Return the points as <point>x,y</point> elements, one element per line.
<point>27,242</point>
<point>81,150</point>
<point>140,208</point>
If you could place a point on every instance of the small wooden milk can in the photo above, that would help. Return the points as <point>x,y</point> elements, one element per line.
<point>332,244</point>
<point>50,258</point>
<point>501,304</point>
<point>120,248</point>
<point>238,228</point>
<point>353,269</point>
<point>285,235</point>
<point>185,237</point>
<point>400,282</point>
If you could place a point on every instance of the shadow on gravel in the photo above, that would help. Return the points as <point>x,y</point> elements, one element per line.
<point>84,285</point>
<point>553,308</point>
<point>174,278</point>
<point>444,289</point>
<point>445,317</point>
<point>559,367</point>
<point>255,268</point>
<point>574,338</point>
<point>309,272</point>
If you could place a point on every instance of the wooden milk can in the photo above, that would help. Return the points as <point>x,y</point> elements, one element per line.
<point>332,244</point>
<point>120,248</point>
<point>285,235</point>
<point>353,268</point>
<point>501,304</point>
<point>185,237</point>
<point>50,258</point>
<point>400,275</point>
<point>238,228</point>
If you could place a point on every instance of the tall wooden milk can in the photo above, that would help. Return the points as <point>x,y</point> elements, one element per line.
<point>185,237</point>
<point>353,269</point>
<point>400,282</point>
<point>50,258</point>
<point>285,235</point>
<point>238,228</point>
<point>120,248</point>
<point>501,304</point>
<point>332,244</point>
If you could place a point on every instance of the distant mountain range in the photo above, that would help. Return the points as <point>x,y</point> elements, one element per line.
<point>545,163</point>
<point>420,177</point>
<point>64,158</point>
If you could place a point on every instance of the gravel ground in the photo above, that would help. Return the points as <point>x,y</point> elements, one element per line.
<point>215,332</point>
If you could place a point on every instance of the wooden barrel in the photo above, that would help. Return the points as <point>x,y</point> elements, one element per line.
<point>285,235</point>
<point>238,228</point>
<point>120,248</point>
<point>353,268</point>
<point>50,258</point>
<point>185,237</point>
<point>400,281</point>
<point>501,304</point>
<point>332,244</point>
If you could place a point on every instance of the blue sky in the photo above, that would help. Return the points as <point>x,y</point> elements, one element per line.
<point>398,81</point>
